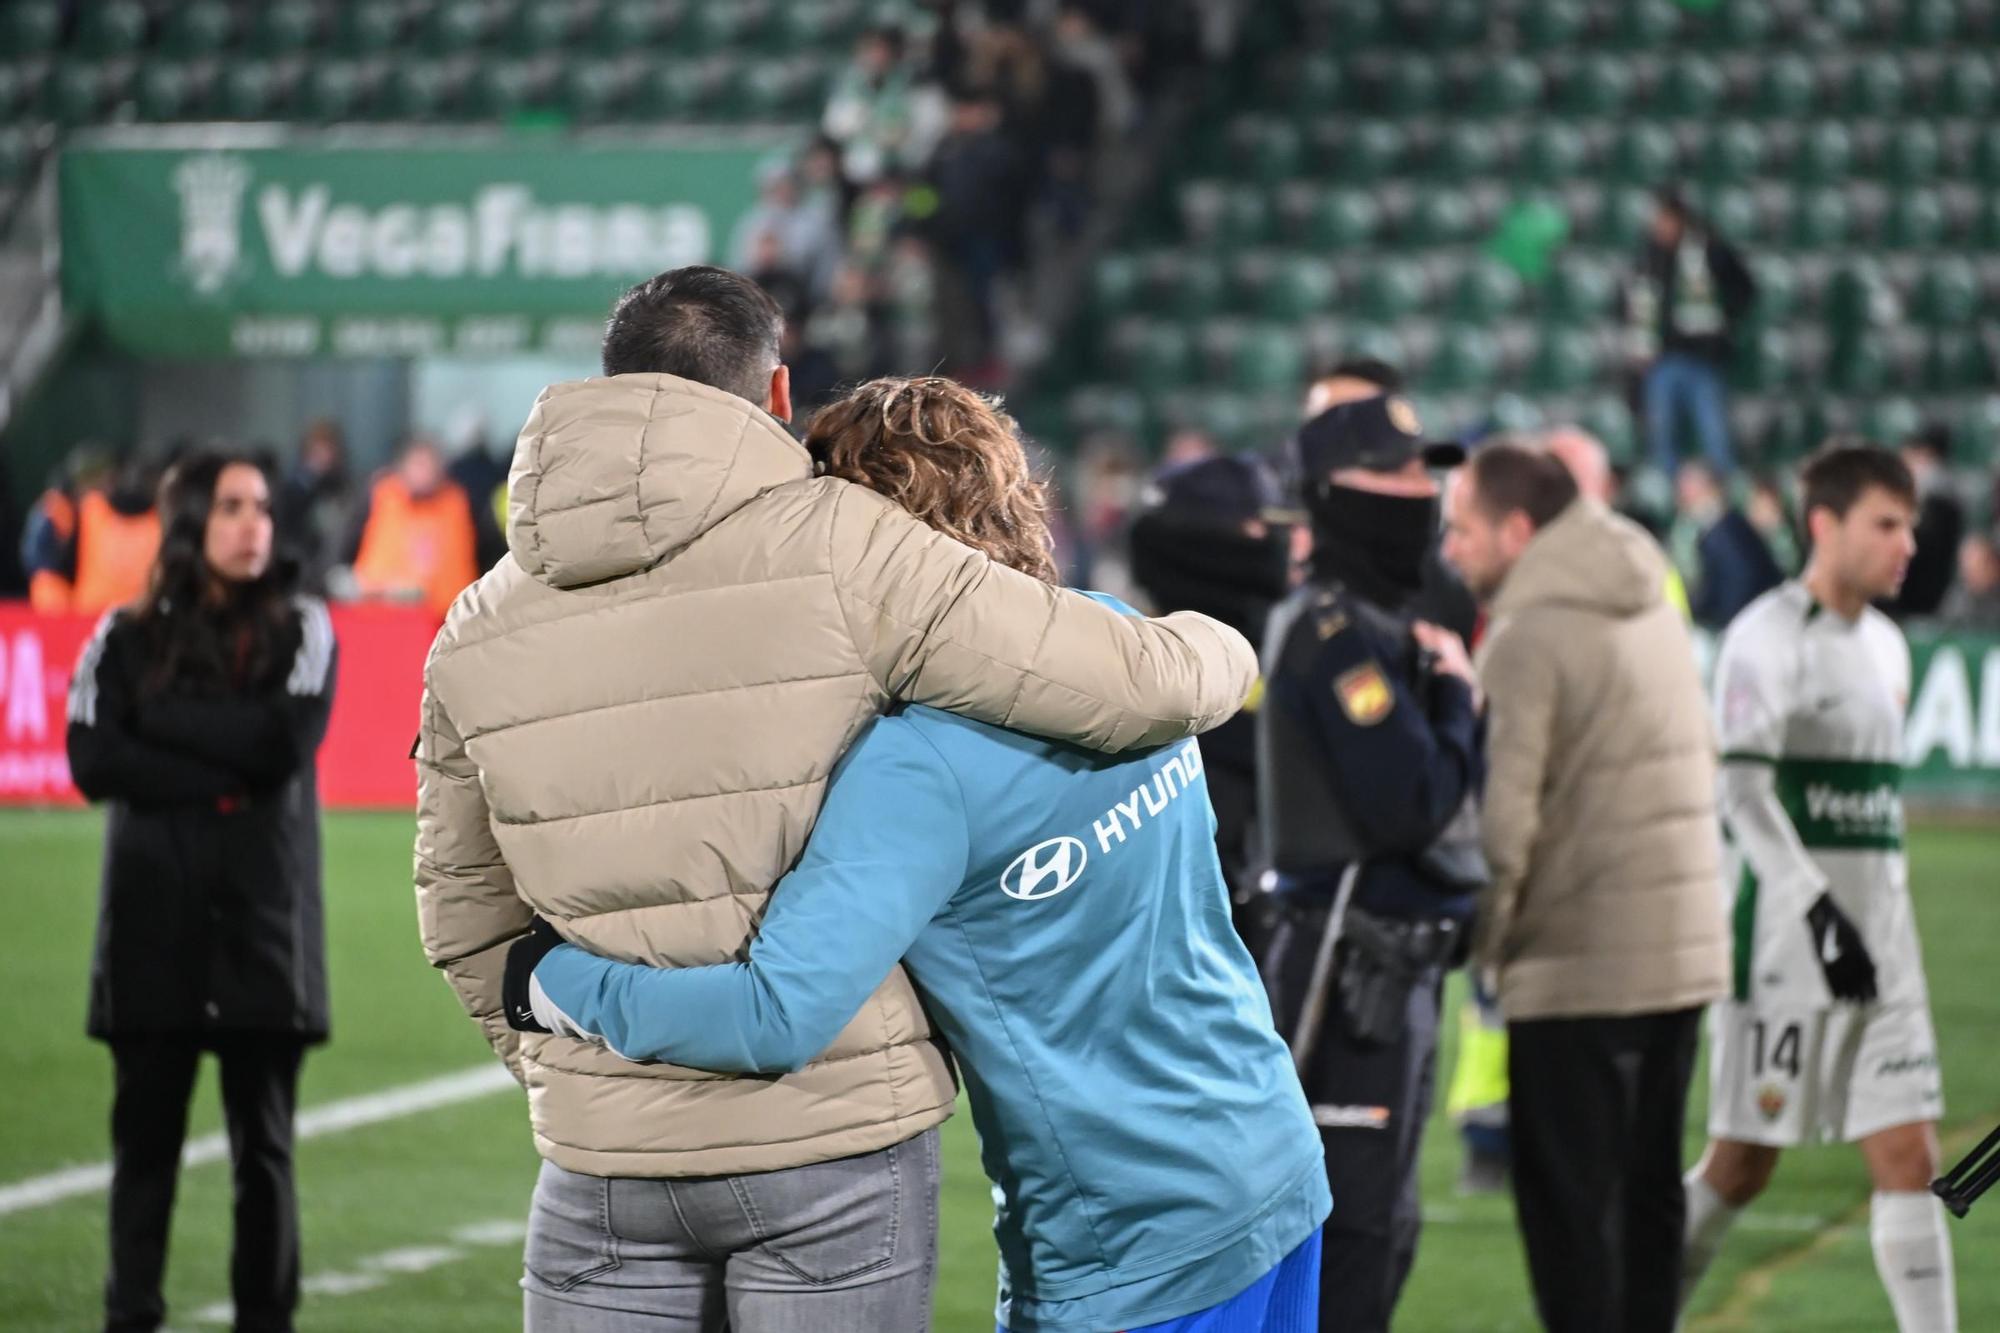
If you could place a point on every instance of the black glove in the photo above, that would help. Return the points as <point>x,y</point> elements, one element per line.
<point>1850,972</point>
<point>527,951</point>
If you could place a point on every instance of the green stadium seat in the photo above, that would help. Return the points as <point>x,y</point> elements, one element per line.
<point>1644,154</point>
<point>30,27</point>
<point>1486,291</point>
<point>1152,354</point>
<point>1911,154</point>
<point>16,91</point>
<point>1269,358</point>
<point>1466,359</point>
<point>1777,288</point>
<point>544,29</point>
<point>1597,85</point>
<point>1191,286</point>
<point>629,26</point>
<point>1785,88</point>
<point>417,90</point>
<point>1691,87</point>
<point>1549,24</point>
<point>1266,149</point>
<point>1466,151</point>
<point>1733,27</point>
<point>1821,219</point>
<point>1955,363</point>
<point>74,93</point>
<point>1097,407</point>
<point>502,89</point>
<point>253,90</point>
<point>595,90</point>
<point>1564,360</point>
<point>1824,154</point>
<point>110,28</point>
<point>1916,220</point>
<point>1967,87</point>
<point>197,29</point>
<point>167,91</point>
<point>334,90</point>
<point>1873,87</point>
<point>1644,25</point>
<point>1507,86</point>
<point>1947,293</point>
<point>1414,86</point>
<point>1117,285</point>
<point>1607,417</point>
<point>1440,217</point>
<point>818,25</point>
<point>17,154</point>
<point>1889,420</point>
<point>726,27</point>
<point>774,88</point>
<point>1342,219</point>
<point>1223,214</point>
<point>1553,154</point>
<point>1581,291</point>
<point>1390,290</point>
<point>460,26</point>
<point>1733,154</point>
<point>1986,156</point>
<point>1310,84</point>
<point>1930,22</point>
<point>1375,342</point>
<point>1446,24</point>
<point>285,28</point>
<point>1624,218</point>
<point>1978,431</point>
<point>1300,287</point>
<point>1762,361</point>
<point>1369,151</point>
<point>369,27</point>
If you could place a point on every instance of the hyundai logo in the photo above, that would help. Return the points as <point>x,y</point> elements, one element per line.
<point>1044,870</point>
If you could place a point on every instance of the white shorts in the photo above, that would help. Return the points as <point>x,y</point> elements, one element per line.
<point>1821,1075</point>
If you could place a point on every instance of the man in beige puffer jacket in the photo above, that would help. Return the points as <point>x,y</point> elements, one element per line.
<point>629,722</point>
<point>1603,922</point>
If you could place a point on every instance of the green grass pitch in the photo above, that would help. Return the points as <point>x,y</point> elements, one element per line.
<point>413,1223</point>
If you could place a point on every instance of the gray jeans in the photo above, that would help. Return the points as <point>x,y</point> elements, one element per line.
<point>836,1246</point>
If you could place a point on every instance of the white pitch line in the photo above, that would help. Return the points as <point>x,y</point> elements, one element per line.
<point>330,1118</point>
<point>1448,1215</point>
<point>376,1270</point>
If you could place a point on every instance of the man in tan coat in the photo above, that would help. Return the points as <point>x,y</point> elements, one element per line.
<point>1603,927</point>
<point>628,725</point>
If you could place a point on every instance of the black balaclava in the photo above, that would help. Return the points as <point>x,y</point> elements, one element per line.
<point>1375,544</point>
<point>1187,564</point>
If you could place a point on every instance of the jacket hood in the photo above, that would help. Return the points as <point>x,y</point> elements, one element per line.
<point>1588,558</point>
<point>611,476</point>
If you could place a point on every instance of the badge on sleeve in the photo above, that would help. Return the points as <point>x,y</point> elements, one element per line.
<point>1364,695</point>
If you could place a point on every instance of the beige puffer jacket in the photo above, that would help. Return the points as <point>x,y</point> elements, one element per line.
<point>629,723</point>
<point>1599,813</point>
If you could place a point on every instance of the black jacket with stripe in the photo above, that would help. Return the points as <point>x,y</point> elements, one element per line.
<point>210,916</point>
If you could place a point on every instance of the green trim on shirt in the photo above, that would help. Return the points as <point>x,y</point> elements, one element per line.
<point>1744,921</point>
<point>1843,804</point>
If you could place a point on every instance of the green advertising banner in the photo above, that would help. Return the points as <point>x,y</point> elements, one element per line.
<point>1952,737</point>
<point>490,248</point>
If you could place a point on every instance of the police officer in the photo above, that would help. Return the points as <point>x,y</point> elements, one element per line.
<point>1370,761</point>
<point>1215,536</point>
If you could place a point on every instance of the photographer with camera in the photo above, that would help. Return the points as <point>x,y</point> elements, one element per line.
<point>1369,761</point>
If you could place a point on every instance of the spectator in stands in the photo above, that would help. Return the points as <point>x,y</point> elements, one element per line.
<point>479,469</point>
<point>767,266</point>
<point>88,546</point>
<point>978,177</point>
<point>1603,930</point>
<point>1722,557</point>
<point>802,232</point>
<point>690,630</point>
<point>1974,604</point>
<point>195,716</point>
<point>315,504</point>
<point>1940,525</point>
<point>414,540</point>
<point>848,329</point>
<point>872,111</point>
<point>1772,517</point>
<point>1682,307</point>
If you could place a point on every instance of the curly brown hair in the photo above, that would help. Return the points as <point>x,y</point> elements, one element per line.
<point>948,455</point>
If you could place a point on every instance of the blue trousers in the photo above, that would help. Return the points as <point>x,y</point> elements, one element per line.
<point>1284,1300</point>
<point>1686,389</point>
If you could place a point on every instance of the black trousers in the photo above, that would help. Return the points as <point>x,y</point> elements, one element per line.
<point>1598,1105</point>
<point>155,1077</point>
<point>1371,1100</point>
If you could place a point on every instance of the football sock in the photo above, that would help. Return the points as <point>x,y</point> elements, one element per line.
<point>1913,1255</point>
<point>1709,1217</point>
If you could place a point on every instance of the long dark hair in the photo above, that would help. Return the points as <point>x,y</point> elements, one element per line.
<point>197,640</point>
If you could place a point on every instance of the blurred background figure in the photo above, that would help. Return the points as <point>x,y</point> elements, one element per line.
<point>1682,308</point>
<point>315,503</point>
<point>1940,525</point>
<point>195,717</point>
<point>414,540</point>
<point>1974,604</point>
<point>1718,551</point>
<point>1213,535</point>
<point>803,230</point>
<point>90,540</point>
<point>871,114</point>
<point>1771,515</point>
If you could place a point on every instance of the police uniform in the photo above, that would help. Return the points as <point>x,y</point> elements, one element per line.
<point>1370,761</point>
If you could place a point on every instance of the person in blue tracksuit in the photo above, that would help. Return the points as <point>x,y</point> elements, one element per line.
<point>1065,916</point>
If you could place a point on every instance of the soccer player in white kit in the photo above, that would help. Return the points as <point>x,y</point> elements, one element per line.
<point>1827,1036</point>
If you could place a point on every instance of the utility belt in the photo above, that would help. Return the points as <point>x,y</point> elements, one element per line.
<point>1379,961</point>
